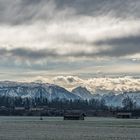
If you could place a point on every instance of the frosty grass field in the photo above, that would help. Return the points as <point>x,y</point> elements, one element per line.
<point>55,128</point>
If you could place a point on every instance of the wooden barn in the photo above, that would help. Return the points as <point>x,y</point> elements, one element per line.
<point>124,115</point>
<point>74,116</point>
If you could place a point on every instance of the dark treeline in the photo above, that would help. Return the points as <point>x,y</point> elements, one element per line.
<point>57,107</point>
<point>28,103</point>
<point>12,102</point>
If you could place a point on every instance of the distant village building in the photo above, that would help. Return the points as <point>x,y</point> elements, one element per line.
<point>74,116</point>
<point>19,108</point>
<point>37,109</point>
<point>3,108</point>
<point>124,115</point>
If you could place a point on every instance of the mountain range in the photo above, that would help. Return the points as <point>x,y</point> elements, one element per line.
<point>51,91</point>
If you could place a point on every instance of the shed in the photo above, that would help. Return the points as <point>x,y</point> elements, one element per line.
<point>74,116</point>
<point>124,115</point>
<point>19,108</point>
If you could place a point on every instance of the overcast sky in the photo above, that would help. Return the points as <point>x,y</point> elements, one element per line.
<point>45,38</point>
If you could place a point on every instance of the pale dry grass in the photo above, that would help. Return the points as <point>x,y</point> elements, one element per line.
<point>51,128</point>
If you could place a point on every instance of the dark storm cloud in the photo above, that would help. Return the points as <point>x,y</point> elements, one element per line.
<point>118,8</point>
<point>19,12</point>
<point>116,47</point>
<point>122,46</point>
<point>33,55</point>
<point>30,54</point>
<point>24,53</point>
<point>27,11</point>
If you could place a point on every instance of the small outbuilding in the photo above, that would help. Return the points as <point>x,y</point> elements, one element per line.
<point>124,115</point>
<point>74,116</point>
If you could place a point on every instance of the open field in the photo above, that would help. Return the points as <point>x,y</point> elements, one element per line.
<point>51,128</point>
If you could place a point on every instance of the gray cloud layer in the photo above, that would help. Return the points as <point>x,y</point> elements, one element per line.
<point>122,46</point>
<point>117,47</point>
<point>26,11</point>
<point>41,32</point>
<point>24,53</point>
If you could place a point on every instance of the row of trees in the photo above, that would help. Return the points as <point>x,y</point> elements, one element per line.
<point>11,102</point>
<point>56,103</point>
<point>129,104</point>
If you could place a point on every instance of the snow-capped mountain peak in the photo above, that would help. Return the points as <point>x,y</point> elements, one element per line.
<point>35,90</point>
<point>82,92</point>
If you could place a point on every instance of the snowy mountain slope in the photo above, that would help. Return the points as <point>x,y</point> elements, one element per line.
<point>35,90</point>
<point>111,98</point>
<point>82,92</point>
<point>115,100</point>
<point>51,91</point>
